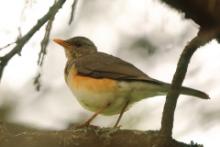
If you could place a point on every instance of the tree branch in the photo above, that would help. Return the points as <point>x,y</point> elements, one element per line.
<point>43,52</point>
<point>23,40</point>
<point>15,136</point>
<point>73,9</point>
<point>206,13</point>
<point>44,42</point>
<point>7,45</point>
<point>203,37</point>
<point>37,82</point>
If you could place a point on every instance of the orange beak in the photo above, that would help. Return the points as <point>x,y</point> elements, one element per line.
<point>61,42</point>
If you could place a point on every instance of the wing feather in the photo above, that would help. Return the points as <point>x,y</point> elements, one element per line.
<point>101,65</point>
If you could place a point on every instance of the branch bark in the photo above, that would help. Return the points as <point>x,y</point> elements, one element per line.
<point>14,136</point>
<point>206,13</point>
<point>45,42</point>
<point>73,9</point>
<point>203,37</point>
<point>23,40</point>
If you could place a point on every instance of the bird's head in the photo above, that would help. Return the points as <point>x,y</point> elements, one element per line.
<point>76,47</point>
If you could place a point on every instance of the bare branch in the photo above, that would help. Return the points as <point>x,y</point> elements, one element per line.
<point>44,42</point>
<point>23,40</point>
<point>37,82</point>
<point>204,36</point>
<point>211,6</point>
<point>43,52</point>
<point>73,9</point>
<point>7,45</point>
<point>205,13</point>
<point>15,136</point>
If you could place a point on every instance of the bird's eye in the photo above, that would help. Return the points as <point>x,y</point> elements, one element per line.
<point>78,44</point>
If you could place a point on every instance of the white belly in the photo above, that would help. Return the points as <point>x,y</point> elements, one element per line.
<point>95,94</point>
<point>96,101</point>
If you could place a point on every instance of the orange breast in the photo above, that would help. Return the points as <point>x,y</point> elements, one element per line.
<point>93,84</point>
<point>89,83</point>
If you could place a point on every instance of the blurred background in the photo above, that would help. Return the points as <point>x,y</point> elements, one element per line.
<point>147,33</point>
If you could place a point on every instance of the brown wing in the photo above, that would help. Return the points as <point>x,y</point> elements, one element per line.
<point>101,65</point>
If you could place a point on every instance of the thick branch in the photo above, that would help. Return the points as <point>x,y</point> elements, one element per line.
<point>14,136</point>
<point>204,36</point>
<point>23,40</point>
<point>205,13</point>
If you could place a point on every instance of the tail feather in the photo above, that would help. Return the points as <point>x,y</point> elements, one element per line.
<point>194,92</point>
<point>184,90</point>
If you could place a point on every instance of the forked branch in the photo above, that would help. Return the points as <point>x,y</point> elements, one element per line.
<point>24,39</point>
<point>203,37</point>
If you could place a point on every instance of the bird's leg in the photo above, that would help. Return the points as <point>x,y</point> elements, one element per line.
<point>86,123</point>
<point>121,113</point>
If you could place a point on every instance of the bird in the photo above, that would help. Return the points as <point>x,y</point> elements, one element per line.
<point>108,85</point>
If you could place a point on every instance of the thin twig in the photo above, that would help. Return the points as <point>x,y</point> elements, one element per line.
<point>15,42</point>
<point>37,82</point>
<point>204,36</point>
<point>43,51</point>
<point>44,42</point>
<point>7,45</point>
<point>23,40</point>
<point>73,9</point>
